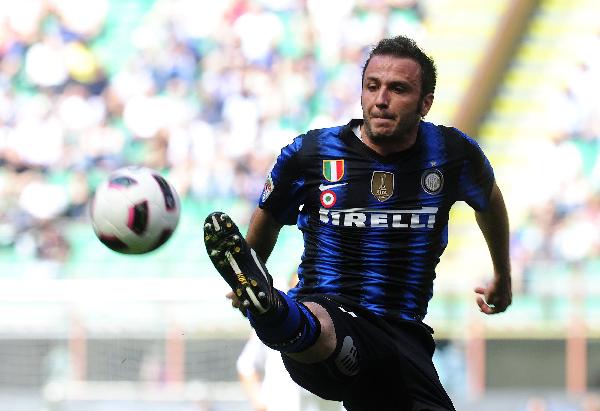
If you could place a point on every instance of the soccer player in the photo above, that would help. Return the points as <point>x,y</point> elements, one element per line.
<point>372,200</point>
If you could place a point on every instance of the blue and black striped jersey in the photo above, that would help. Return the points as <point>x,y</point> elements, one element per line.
<point>374,227</point>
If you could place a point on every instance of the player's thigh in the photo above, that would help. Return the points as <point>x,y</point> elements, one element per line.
<point>362,351</point>
<point>405,381</point>
<point>375,364</point>
<point>422,386</point>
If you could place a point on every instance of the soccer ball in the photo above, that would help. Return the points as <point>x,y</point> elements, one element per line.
<point>135,210</point>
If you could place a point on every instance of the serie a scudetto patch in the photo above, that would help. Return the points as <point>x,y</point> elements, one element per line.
<point>333,170</point>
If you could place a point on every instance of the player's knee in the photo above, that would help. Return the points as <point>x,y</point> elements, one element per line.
<point>325,344</point>
<point>327,340</point>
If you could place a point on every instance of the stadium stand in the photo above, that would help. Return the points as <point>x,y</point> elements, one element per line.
<point>542,134</point>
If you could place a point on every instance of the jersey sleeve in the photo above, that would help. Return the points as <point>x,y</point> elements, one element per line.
<point>476,178</point>
<point>282,194</point>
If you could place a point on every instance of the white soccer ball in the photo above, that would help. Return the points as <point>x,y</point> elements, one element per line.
<point>135,210</point>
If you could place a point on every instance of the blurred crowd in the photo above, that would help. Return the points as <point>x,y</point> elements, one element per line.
<point>561,228</point>
<point>206,92</point>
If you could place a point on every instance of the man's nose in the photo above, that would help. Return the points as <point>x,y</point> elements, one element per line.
<point>382,98</point>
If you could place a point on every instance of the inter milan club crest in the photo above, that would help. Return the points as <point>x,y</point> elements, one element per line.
<point>333,170</point>
<point>382,185</point>
<point>432,181</point>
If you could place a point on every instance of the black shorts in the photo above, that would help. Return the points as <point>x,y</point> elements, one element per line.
<point>378,364</point>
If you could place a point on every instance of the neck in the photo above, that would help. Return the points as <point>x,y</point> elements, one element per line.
<point>392,145</point>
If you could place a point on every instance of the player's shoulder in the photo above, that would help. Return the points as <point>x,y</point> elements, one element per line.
<point>325,132</point>
<point>450,137</point>
<point>315,139</point>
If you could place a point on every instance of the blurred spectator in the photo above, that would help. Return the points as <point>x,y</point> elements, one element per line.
<point>265,379</point>
<point>537,404</point>
<point>591,402</point>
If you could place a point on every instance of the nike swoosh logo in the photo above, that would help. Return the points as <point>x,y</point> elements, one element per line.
<point>324,187</point>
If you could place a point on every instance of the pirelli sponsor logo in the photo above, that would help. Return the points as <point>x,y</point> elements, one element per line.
<point>423,217</point>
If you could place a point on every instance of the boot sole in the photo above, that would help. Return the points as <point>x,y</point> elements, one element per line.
<point>228,252</point>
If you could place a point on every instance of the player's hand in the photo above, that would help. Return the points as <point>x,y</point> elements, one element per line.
<point>235,301</point>
<point>496,297</point>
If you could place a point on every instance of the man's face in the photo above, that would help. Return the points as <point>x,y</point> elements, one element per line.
<point>391,98</point>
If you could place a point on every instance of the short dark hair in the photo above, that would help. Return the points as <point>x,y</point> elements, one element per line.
<point>402,46</point>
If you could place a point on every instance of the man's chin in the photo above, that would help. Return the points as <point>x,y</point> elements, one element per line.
<point>379,124</point>
<point>382,134</point>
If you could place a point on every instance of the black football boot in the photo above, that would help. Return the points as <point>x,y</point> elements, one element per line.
<point>239,265</point>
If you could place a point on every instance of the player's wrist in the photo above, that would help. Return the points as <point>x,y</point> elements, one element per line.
<point>502,272</point>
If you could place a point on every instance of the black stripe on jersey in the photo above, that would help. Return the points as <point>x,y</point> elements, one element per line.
<point>407,188</point>
<point>313,280</point>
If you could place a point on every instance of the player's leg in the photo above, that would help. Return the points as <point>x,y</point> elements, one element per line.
<point>410,371</point>
<point>326,342</point>
<point>376,364</point>
<point>416,345</point>
<point>280,322</point>
<point>354,372</point>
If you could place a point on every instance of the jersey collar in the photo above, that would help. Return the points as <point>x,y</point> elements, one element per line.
<point>350,138</point>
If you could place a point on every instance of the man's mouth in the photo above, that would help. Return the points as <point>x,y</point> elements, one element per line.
<point>382,117</point>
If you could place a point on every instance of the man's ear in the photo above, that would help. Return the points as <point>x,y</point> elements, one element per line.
<point>426,103</point>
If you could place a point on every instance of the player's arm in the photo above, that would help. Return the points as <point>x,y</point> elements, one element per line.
<point>493,222</point>
<point>263,232</point>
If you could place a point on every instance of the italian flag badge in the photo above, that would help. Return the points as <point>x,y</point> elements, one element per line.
<point>333,170</point>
